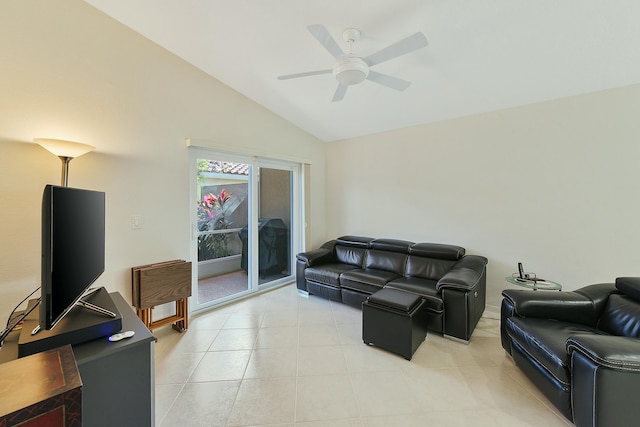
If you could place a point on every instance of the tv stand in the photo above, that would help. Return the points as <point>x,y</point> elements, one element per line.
<point>84,304</point>
<point>77,326</point>
<point>97,309</point>
<point>116,375</point>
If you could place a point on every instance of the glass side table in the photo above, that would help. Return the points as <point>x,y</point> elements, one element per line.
<point>545,285</point>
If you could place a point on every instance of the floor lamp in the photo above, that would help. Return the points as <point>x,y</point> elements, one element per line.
<point>65,150</point>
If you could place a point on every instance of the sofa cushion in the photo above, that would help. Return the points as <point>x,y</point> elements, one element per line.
<point>621,316</point>
<point>427,268</point>
<point>426,288</point>
<point>386,261</point>
<point>629,286</point>
<point>391,245</point>
<point>354,241</point>
<point>546,341</point>
<point>366,280</point>
<point>350,255</point>
<point>327,274</point>
<point>437,250</point>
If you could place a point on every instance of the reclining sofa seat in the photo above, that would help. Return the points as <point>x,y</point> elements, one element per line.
<point>351,268</point>
<point>580,348</point>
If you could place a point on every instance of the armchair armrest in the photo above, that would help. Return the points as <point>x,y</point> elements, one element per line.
<point>465,275</point>
<point>316,257</point>
<point>581,306</point>
<point>605,380</point>
<point>608,350</point>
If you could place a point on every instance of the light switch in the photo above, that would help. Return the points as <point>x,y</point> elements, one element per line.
<point>136,221</point>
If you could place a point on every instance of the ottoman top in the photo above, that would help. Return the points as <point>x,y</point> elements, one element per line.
<point>396,299</point>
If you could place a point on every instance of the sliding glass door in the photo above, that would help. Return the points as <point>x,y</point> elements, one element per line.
<point>245,226</point>
<point>274,224</point>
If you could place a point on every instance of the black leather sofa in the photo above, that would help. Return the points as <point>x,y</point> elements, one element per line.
<point>580,348</point>
<point>351,268</point>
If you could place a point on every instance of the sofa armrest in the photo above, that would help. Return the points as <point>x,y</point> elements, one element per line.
<point>581,306</point>
<point>465,275</point>
<point>605,380</point>
<point>316,257</point>
<point>608,350</point>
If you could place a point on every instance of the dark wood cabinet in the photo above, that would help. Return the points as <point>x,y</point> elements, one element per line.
<point>118,381</point>
<point>43,389</point>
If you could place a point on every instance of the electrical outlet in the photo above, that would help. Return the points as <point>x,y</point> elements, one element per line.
<point>136,221</point>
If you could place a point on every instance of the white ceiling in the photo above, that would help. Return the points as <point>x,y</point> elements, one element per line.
<point>483,55</point>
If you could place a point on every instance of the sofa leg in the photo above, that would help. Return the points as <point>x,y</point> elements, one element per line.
<point>303,293</point>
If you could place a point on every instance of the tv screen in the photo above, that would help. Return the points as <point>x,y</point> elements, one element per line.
<point>73,248</point>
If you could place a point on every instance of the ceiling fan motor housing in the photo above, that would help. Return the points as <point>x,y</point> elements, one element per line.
<point>351,70</point>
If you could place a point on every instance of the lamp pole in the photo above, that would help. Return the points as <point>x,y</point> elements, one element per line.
<point>65,170</point>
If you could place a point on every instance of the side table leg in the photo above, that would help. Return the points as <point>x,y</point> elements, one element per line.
<point>182,314</point>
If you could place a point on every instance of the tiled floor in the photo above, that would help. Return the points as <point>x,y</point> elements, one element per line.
<point>211,288</point>
<point>284,360</point>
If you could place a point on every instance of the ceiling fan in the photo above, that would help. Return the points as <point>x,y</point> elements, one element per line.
<point>350,69</point>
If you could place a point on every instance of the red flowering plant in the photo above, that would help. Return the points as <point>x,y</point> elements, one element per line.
<point>212,211</point>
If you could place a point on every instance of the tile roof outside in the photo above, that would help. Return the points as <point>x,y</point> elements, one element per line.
<point>216,166</point>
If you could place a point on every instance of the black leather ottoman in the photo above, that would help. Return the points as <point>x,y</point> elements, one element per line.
<point>394,320</point>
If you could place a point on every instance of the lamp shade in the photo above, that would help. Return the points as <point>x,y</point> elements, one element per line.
<point>62,148</point>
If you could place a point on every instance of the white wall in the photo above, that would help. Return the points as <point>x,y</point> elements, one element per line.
<point>68,71</point>
<point>555,185</point>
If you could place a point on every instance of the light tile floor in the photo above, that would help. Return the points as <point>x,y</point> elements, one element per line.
<point>281,359</point>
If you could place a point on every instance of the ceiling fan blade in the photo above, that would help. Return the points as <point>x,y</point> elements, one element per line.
<point>339,93</point>
<point>404,46</point>
<point>322,35</point>
<point>305,74</point>
<point>388,81</point>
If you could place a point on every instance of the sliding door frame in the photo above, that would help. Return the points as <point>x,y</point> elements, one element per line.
<point>296,237</point>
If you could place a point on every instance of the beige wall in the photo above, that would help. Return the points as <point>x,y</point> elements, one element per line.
<point>68,71</point>
<point>555,185</point>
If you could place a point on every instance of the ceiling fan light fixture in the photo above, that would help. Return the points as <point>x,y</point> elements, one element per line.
<point>351,70</point>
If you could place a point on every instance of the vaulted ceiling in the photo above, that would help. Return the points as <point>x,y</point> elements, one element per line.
<point>482,55</point>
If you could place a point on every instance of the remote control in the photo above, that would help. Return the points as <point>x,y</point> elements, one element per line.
<point>121,335</point>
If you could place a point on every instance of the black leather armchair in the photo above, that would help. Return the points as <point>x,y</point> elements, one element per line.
<point>580,348</point>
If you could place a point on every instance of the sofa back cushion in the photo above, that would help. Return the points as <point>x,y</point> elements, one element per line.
<point>621,317</point>
<point>630,286</point>
<point>354,241</point>
<point>387,261</point>
<point>350,255</point>
<point>391,245</point>
<point>427,268</point>
<point>437,251</point>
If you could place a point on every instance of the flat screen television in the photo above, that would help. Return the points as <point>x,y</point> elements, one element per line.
<point>73,248</point>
